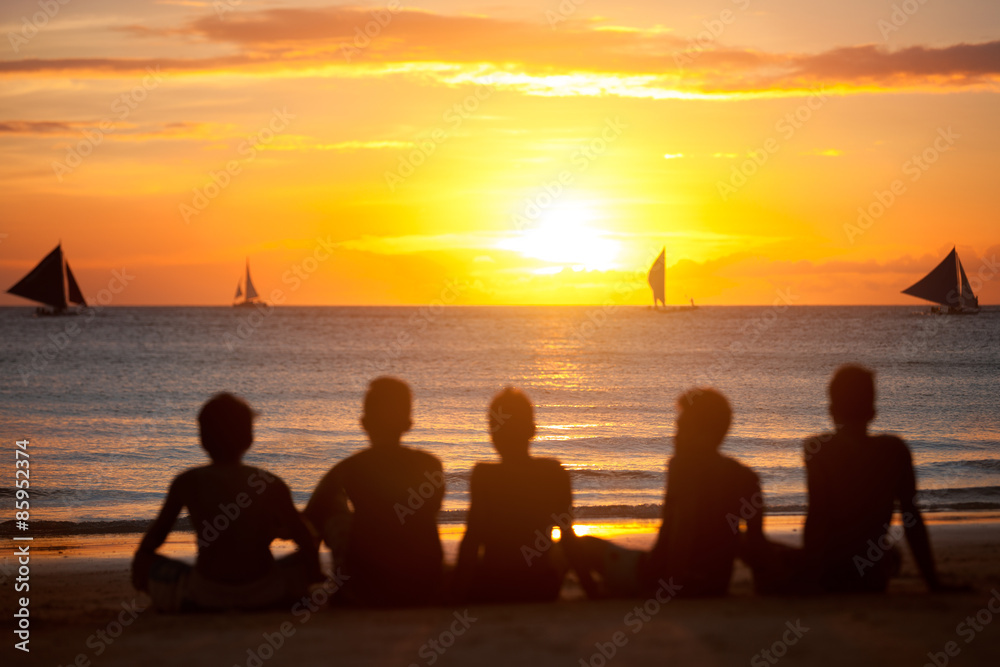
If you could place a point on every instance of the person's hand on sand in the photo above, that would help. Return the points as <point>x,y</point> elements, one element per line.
<point>140,570</point>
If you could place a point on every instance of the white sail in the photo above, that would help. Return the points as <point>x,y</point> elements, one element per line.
<point>251,291</point>
<point>657,278</point>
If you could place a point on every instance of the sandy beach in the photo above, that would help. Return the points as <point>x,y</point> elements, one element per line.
<point>84,612</point>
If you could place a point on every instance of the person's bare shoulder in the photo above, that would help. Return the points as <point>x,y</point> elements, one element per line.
<point>889,440</point>
<point>424,459</point>
<point>187,481</point>
<point>484,470</point>
<point>258,477</point>
<point>550,467</point>
<point>740,475</point>
<point>891,447</point>
<point>814,445</point>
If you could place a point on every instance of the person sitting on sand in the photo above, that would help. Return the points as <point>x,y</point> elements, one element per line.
<point>854,481</point>
<point>708,497</point>
<point>389,547</point>
<point>507,553</point>
<point>237,510</point>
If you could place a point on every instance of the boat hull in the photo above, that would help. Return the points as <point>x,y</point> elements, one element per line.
<point>954,310</point>
<point>43,311</point>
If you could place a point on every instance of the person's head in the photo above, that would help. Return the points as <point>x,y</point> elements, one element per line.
<point>512,422</point>
<point>225,423</point>
<point>852,395</point>
<point>386,414</point>
<point>703,420</point>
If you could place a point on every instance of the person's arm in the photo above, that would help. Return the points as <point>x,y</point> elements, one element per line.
<point>475,530</point>
<point>437,475</point>
<point>157,534</point>
<point>658,555</point>
<point>913,521</point>
<point>563,490</point>
<point>328,513</point>
<point>816,531</point>
<point>297,530</point>
<point>755,523</point>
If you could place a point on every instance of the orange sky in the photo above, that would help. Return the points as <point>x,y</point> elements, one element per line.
<point>530,152</point>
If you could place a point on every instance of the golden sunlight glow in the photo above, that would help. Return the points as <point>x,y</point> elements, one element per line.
<point>564,237</point>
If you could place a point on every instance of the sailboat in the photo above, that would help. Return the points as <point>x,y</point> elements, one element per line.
<point>53,284</point>
<point>948,286</point>
<point>657,279</point>
<point>246,293</point>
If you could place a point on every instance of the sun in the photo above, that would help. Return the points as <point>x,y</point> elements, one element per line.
<point>565,237</point>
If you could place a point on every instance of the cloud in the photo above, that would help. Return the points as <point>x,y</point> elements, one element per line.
<point>121,131</point>
<point>587,58</point>
<point>877,63</point>
<point>38,127</point>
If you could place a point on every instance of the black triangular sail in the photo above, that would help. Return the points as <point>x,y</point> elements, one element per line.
<point>968,296</point>
<point>75,295</point>
<point>657,278</point>
<point>940,285</point>
<point>46,282</point>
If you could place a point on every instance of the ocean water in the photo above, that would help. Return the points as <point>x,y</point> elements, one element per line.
<point>108,401</point>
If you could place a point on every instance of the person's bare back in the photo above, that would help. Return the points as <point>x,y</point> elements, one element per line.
<point>237,511</point>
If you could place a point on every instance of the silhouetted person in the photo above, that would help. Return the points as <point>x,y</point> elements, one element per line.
<point>389,546</point>
<point>708,498</point>
<point>855,480</point>
<point>237,510</point>
<point>507,553</point>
